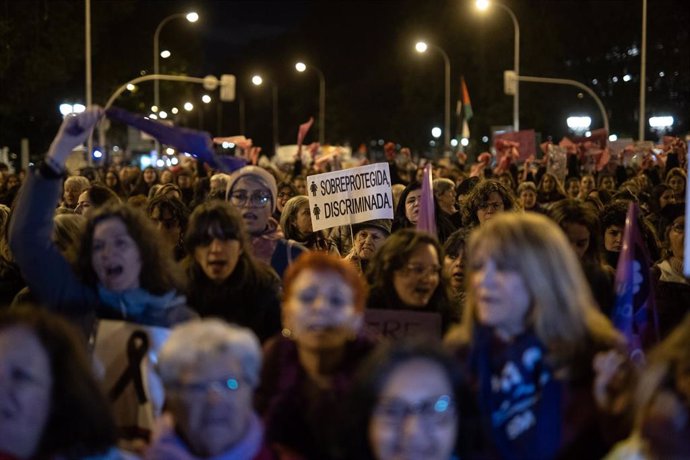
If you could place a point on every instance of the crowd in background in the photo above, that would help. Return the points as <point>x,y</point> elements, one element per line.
<point>267,352</point>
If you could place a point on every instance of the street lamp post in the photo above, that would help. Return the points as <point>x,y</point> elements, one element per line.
<point>301,67</point>
<point>258,81</point>
<point>421,47</point>
<point>483,5</point>
<point>191,17</point>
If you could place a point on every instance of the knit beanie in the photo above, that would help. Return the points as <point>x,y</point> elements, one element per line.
<point>258,174</point>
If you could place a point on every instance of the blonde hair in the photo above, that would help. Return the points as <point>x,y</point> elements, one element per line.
<point>563,314</point>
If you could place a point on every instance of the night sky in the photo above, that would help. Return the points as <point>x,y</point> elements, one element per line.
<point>377,86</point>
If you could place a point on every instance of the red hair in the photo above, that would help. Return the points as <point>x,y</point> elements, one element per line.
<point>323,262</point>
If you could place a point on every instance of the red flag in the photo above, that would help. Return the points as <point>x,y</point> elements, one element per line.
<point>634,313</point>
<point>427,216</point>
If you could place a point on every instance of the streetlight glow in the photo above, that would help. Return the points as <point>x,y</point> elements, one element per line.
<point>662,122</point>
<point>579,123</point>
<point>131,87</point>
<point>436,132</point>
<point>165,54</point>
<point>257,80</point>
<point>65,109</point>
<point>174,110</point>
<point>163,114</point>
<point>613,138</point>
<point>465,142</point>
<point>170,151</point>
<point>453,142</point>
<point>153,116</point>
<point>154,108</point>
<point>482,5</point>
<point>79,108</point>
<point>192,16</point>
<point>300,67</point>
<point>421,47</point>
<point>205,98</point>
<point>188,106</point>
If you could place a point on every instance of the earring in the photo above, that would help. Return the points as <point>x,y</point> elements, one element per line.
<point>287,333</point>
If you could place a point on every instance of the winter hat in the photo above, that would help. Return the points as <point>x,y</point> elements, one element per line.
<point>379,224</point>
<point>258,174</point>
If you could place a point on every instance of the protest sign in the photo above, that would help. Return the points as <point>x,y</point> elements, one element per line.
<point>400,324</point>
<point>126,353</point>
<point>350,196</point>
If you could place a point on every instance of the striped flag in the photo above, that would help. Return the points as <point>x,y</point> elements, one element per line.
<point>464,110</point>
<point>634,312</point>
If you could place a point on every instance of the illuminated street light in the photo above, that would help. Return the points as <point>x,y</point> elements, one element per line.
<point>421,47</point>
<point>464,142</point>
<point>131,87</point>
<point>67,109</point>
<point>483,5</point>
<point>154,108</point>
<point>613,138</point>
<point>661,123</point>
<point>453,142</point>
<point>165,54</point>
<point>436,132</point>
<point>174,110</point>
<point>206,99</point>
<point>191,17</point>
<point>188,106</point>
<point>579,123</point>
<point>257,80</point>
<point>301,67</point>
<point>163,114</point>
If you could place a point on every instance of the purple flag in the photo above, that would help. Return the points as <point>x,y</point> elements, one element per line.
<point>197,143</point>
<point>427,217</point>
<point>634,312</point>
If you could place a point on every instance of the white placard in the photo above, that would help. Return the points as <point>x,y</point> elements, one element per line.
<point>350,196</point>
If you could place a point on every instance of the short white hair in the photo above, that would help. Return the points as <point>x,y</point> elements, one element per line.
<point>197,340</point>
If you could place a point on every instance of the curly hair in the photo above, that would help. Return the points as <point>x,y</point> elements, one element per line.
<point>159,274</point>
<point>480,194</point>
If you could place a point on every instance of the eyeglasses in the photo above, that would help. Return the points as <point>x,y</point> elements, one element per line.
<point>433,411</point>
<point>493,206</point>
<point>199,390</point>
<point>257,199</point>
<point>421,271</point>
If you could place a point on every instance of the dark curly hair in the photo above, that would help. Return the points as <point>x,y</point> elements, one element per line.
<point>480,194</point>
<point>159,273</point>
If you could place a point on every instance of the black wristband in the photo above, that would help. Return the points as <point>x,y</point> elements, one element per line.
<point>49,172</point>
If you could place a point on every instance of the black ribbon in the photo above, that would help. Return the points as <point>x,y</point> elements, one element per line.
<point>137,347</point>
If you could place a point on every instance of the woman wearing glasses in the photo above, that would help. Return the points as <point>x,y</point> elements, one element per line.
<point>404,404</point>
<point>225,279</point>
<point>209,370</point>
<point>672,290</point>
<point>406,274</point>
<point>529,342</point>
<point>308,371</point>
<point>253,191</point>
<point>486,200</point>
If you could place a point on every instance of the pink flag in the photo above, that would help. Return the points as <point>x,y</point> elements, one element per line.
<point>427,216</point>
<point>303,130</point>
<point>634,312</point>
<point>523,141</point>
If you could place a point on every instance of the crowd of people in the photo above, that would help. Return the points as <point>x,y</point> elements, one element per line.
<point>247,333</point>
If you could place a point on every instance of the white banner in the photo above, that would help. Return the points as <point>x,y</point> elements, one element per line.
<point>350,196</point>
